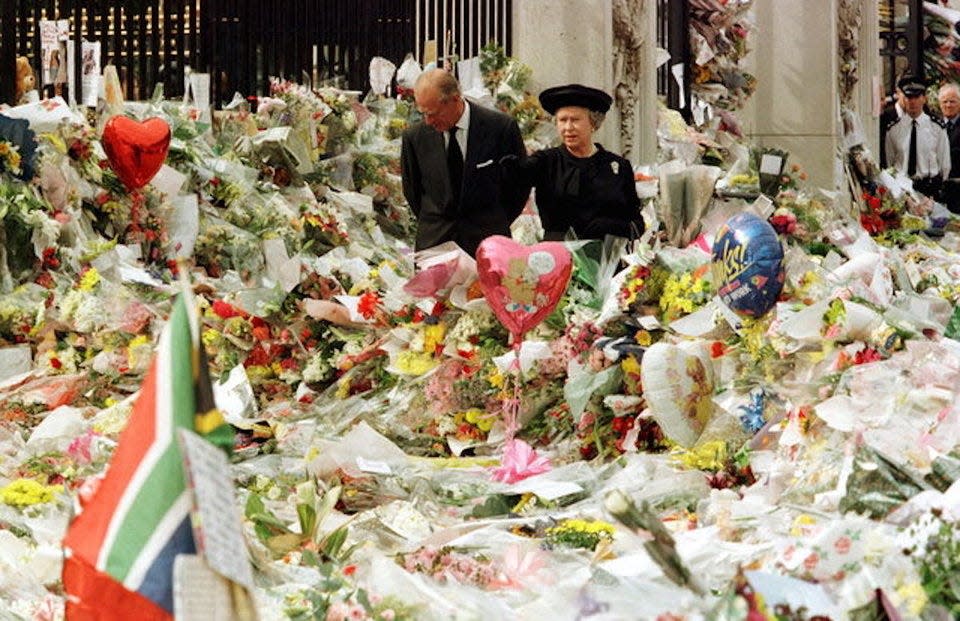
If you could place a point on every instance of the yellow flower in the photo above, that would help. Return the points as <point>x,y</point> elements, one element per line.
<point>58,143</point>
<point>630,366</point>
<point>801,525</point>
<point>478,418</point>
<point>343,389</point>
<point>708,456</point>
<point>496,378</point>
<point>914,597</point>
<point>643,338</point>
<point>89,280</point>
<point>414,363</point>
<point>210,337</point>
<point>139,351</point>
<point>590,527</point>
<point>26,492</point>
<point>433,336</point>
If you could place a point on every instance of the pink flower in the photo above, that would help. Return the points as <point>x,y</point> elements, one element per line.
<point>842,545</point>
<point>520,566</point>
<point>338,611</point>
<point>79,448</point>
<point>519,461</point>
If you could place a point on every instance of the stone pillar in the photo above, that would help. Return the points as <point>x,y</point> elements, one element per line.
<point>635,78</point>
<point>869,93</point>
<point>796,104</point>
<point>567,41</point>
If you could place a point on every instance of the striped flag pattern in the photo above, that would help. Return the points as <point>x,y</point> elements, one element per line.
<point>119,550</point>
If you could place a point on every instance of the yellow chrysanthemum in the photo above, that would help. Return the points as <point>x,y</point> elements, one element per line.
<point>27,492</point>
<point>414,362</point>
<point>433,336</point>
<point>89,280</point>
<point>709,456</point>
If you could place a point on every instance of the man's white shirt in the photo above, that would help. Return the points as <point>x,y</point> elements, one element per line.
<point>933,146</point>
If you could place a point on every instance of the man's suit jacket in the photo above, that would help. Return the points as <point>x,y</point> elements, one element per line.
<point>953,133</point>
<point>487,205</point>
<point>888,117</point>
<point>951,189</point>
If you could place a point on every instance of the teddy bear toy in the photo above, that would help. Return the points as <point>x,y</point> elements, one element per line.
<point>26,82</point>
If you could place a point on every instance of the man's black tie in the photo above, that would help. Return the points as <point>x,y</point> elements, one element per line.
<point>912,158</point>
<point>455,164</point>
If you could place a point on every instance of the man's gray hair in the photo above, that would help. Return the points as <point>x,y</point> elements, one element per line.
<point>952,86</point>
<point>443,81</point>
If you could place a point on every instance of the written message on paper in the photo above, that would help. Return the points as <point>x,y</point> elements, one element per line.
<point>216,519</point>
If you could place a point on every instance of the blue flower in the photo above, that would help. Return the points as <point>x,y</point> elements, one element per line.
<point>751,414</point>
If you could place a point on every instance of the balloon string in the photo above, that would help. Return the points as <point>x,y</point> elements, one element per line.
<point>511,407</point>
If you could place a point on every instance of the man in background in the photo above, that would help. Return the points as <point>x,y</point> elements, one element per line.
<point>450,166</point>
<point>949,99</point>
<point>892,112</point>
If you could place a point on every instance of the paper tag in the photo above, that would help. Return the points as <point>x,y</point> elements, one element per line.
<point>763,206</point>
<point>649,322</point>
<point>217,529</point>
<point>199,593</point>
<point>235,399</point>
<point>546,489</point>
<point>168,181</point>
<point>457,447</point>
<point>183,225</point>
<point>375,467</point>
<point>281,268</point>
<point>838,412</point>
<point>920,307</point>
<point>14,361</point>
<point>913,273</point>
<point>770,164</point>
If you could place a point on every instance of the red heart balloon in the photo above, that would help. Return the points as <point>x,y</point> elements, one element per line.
<point>136,150</point>
<point>522,284</point>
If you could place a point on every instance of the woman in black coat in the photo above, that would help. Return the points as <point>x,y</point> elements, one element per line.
<point>580,185</point>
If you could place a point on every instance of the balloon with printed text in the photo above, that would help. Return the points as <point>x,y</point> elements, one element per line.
<point>748,265</point>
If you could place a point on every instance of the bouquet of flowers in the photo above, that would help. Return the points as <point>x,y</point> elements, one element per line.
<point>508,79</point>
<point>720,34</point>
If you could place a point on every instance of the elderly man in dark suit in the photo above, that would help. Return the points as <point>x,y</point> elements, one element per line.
<point>450,165</point>
<point>949,99</point>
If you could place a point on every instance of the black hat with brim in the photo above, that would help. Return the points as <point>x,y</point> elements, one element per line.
<point>912,85</point>
<point>578,95</point>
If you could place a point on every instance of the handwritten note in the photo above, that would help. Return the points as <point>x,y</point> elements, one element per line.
<point>199,593</point>
<point>217,529</point>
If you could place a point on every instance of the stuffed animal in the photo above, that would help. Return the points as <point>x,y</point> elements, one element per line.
<point>26,81</point>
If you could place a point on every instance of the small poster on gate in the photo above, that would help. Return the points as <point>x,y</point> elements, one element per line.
<point>90,73</point>
<point>54,35</point>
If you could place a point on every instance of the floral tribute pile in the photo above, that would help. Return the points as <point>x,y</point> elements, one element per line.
<point>801,466</point>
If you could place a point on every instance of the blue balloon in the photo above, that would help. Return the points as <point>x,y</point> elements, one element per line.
<point>748,265</point>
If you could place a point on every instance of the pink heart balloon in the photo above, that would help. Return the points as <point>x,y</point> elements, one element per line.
<point>522,284</point>
<point>136,150</point>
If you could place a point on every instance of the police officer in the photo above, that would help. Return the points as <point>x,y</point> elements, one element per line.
<point>916,145</point>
